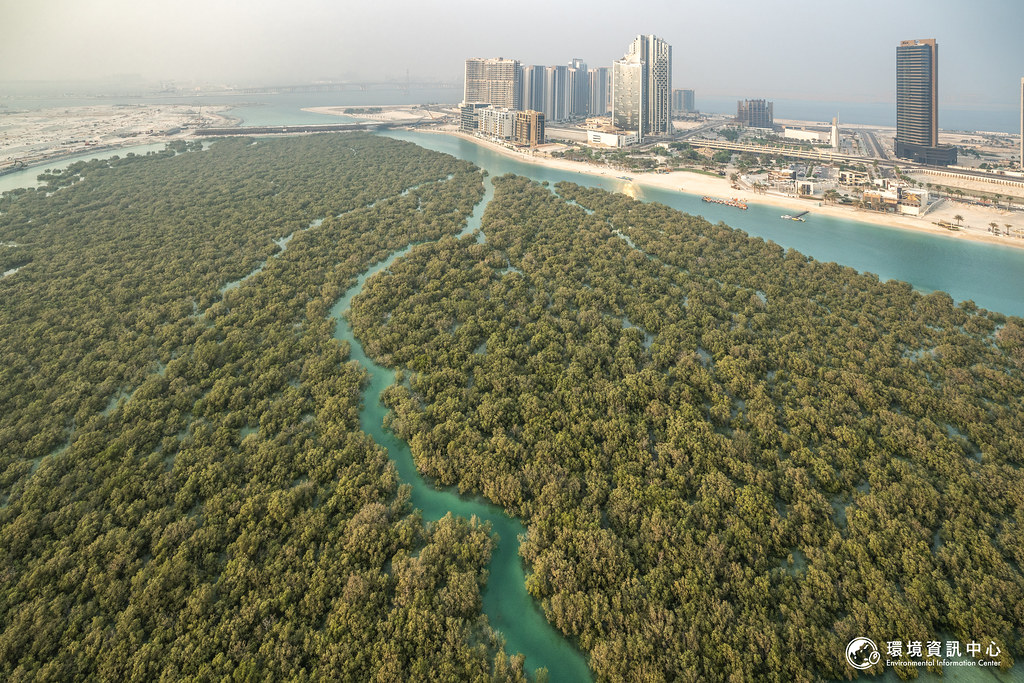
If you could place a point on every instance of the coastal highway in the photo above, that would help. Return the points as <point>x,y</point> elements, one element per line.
<point>694,131</point>
<point>873,147</point>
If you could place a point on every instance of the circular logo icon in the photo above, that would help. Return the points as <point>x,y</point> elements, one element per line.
<point>862,653</point>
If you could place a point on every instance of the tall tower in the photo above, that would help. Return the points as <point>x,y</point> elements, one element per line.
<point>654,57</point>
<point>1022,123</point>
<point>628,93</point>
<point>599,91</point>
<point>556,98</point>
<point>579,88</point>
<point>683,101</point>
<point>917,99</point>
<point>495,81</point>
<point>533,87</point>
<point>917,103</point>
<point>755,113</point>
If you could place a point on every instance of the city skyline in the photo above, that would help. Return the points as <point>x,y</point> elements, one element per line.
<point>841,55</point>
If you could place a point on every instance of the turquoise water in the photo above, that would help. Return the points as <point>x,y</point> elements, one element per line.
<point>279,110</point>
<point>508,606</point>
<point>990,275</point>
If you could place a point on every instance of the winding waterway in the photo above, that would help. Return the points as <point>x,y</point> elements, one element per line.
<point>508,606</point>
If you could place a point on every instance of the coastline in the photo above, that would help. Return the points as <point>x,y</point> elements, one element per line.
<point>699,184</point>
<point>99,129</point>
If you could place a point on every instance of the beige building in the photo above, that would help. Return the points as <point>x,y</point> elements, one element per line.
<point>529,128</point>
<point>494,81</point>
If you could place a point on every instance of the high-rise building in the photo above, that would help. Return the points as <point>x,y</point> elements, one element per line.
<point>579,88</point>
<point>533,87</point>
<point>600,90</point>
<point>530,128</point>
<point>755,113</point>
<point>646,73</point>
<point>494,81</point>
<point>683,101</point>
<point>917,104</point>
<point>628,93</point>
<point>556,93</point>
<point>1022,123</point>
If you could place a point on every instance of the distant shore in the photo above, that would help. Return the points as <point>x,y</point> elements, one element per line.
<point>31,139</point>
<point>700,184</point>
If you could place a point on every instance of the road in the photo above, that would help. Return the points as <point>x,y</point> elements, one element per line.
<point>874,148</point>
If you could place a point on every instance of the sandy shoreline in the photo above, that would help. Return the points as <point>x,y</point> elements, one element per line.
<point>394,113</point>
<point>700,184</point>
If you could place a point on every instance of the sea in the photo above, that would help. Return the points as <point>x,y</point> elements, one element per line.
<point>272,109</point>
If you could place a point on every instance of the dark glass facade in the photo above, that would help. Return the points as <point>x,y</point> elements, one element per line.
<point>916,92</point>
<point>917,104</point>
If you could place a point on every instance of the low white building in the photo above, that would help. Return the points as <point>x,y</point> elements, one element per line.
<point>913,202</point>
<point>496,122</point>
<point>612,139</point>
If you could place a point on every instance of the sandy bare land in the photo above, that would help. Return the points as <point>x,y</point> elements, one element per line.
<point>391,113</point>
<point>32,137</point>
<point>975,219</point>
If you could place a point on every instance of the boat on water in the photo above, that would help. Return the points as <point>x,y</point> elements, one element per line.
<point>735,203</point>
<point>797,217</point>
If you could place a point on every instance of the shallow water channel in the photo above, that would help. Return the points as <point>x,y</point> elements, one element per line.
<point>506,603</point>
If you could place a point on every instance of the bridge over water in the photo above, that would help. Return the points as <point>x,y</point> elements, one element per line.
<point>312,128</point>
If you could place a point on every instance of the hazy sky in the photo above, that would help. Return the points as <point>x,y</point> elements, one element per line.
<point>834,51</point>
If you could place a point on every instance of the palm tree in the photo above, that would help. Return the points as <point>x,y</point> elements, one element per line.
<point>993,227</point>
<point>958,218</point>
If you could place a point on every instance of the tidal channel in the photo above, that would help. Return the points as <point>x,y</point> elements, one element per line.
<point>508,606</point>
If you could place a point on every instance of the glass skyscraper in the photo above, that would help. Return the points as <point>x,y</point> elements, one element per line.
<point>917,104</point>
<point>642,87</point>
